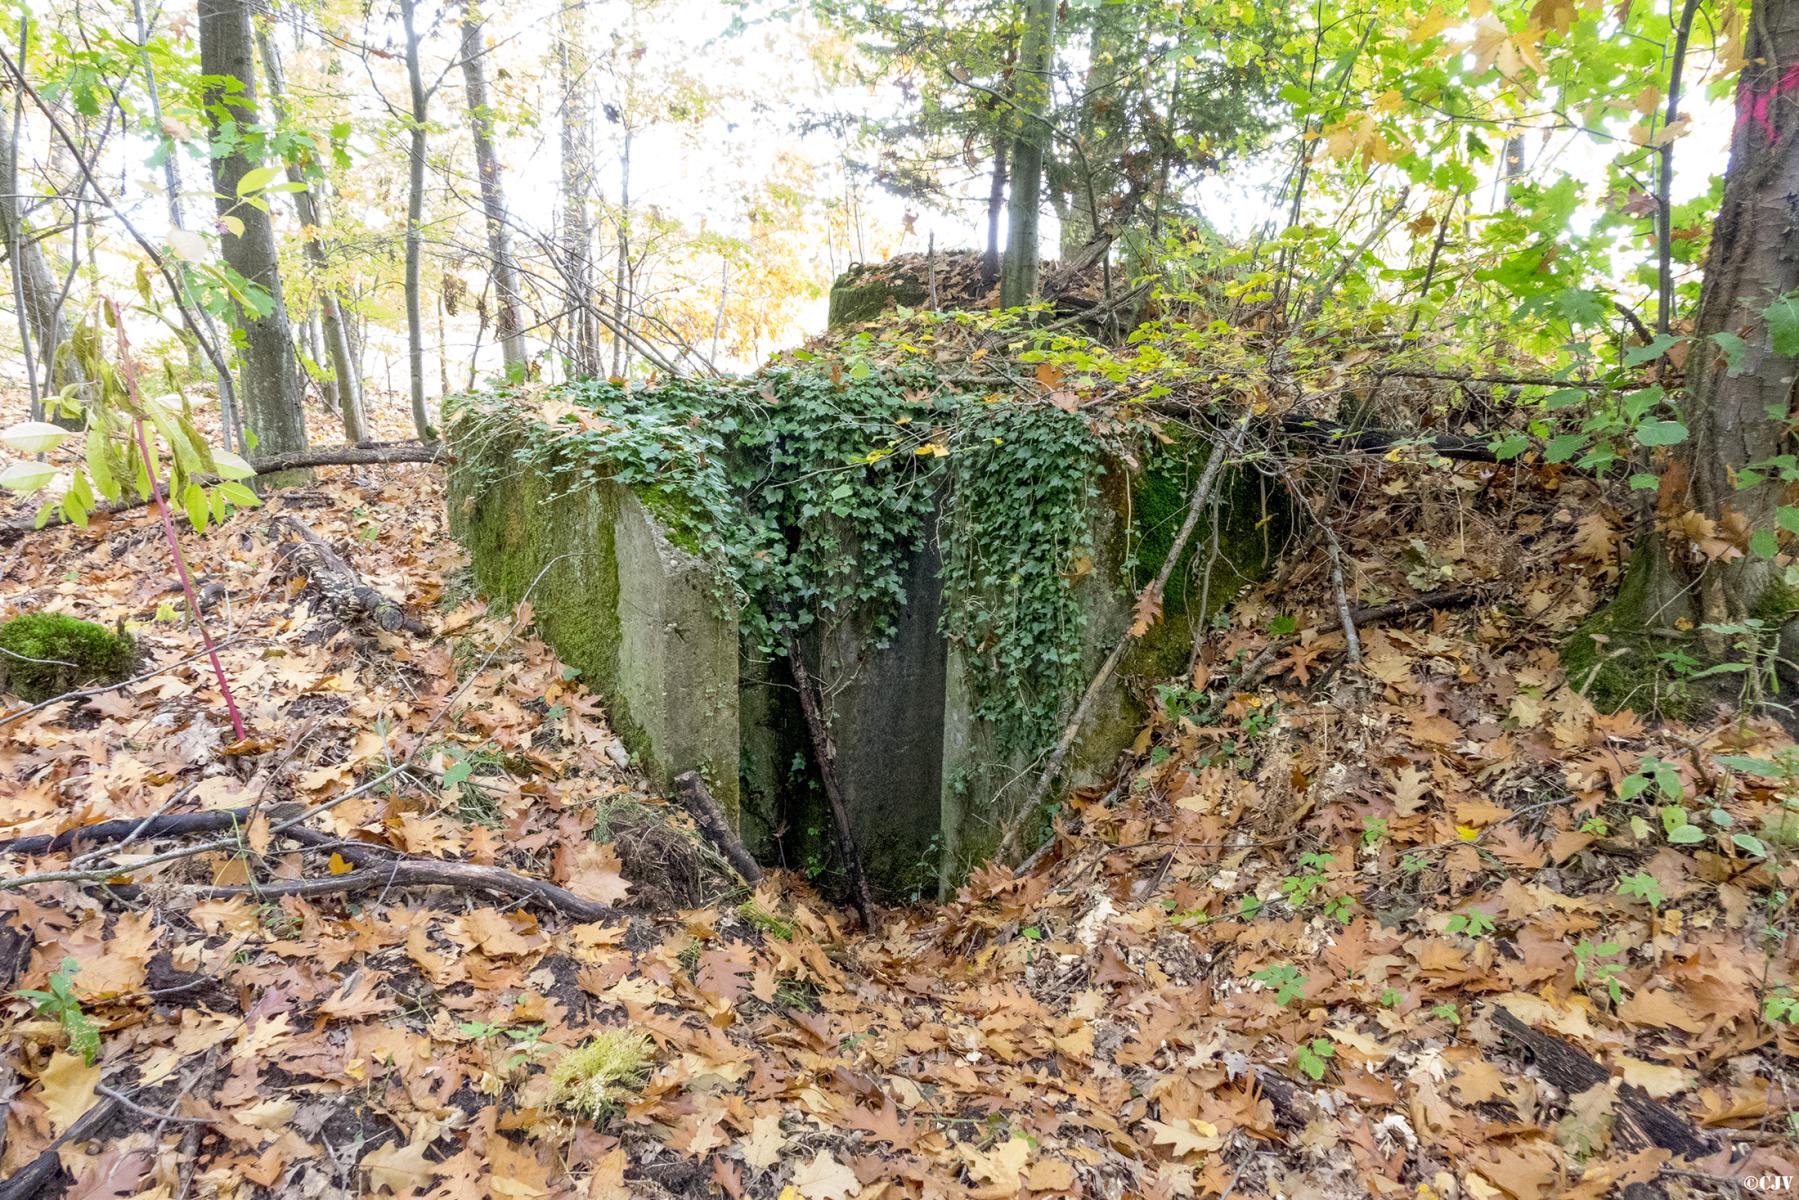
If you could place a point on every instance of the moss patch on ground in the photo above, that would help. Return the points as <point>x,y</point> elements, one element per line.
<point>46,654</point>
<point>1614,660</point>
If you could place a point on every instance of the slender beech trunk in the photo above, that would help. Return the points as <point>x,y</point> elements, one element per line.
<point>1739,395</point>
<point>34,288</point>
<point>171,181</point>
<point>577,189</point>
<point>1664,176</point>
<point>996,204</point>
<point>270,384</point>
<point>508,328</point>
<point>1094,176</point>
<point>344,390</point>
<point>415,211</point>
<point>1030,94</point>
<point>623,285</point>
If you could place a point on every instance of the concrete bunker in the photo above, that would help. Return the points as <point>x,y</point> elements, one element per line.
<point>953,568</point>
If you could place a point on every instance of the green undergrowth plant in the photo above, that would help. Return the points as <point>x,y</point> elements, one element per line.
<point>59,1002</point>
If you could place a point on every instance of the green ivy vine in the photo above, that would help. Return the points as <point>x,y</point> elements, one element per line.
<point>812,491</point>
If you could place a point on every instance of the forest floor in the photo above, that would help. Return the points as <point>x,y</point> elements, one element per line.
<point>1425,926</point>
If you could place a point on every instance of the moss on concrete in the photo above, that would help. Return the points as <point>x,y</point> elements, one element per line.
<point>46,654</point>
<point>862,294</point>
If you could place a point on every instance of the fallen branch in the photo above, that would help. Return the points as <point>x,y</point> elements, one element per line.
<point>32,1179</point>
<point>1052,767</point>
<point>826,757</point>
<point>329,456</point>
<point>1335,436</point>
<point>1369,615</point>
<point>1500,380</point>
<point>344,589</point>
<point>385,867</point>
<point>128,830</point>
<point>692,795</point>
<point>421,872</point>
<point>1641,1121</point>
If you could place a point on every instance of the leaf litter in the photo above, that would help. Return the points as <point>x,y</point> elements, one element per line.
<point>1277,956</point>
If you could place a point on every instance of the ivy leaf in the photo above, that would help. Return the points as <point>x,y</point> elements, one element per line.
<point>1661,433</point>
<point>1733,348</point>
<point>1783,325</point>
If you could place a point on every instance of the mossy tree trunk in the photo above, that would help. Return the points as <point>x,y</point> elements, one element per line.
<point>1699,566</point>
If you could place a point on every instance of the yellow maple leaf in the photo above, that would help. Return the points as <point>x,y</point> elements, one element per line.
<point>68,1085</point>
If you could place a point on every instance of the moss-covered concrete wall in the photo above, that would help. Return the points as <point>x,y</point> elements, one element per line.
<point>1133,527</point>
<point>928,782</point>
<point>642,619</point>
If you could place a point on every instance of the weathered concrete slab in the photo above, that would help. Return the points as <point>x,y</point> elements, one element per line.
<point>642,619</point>
<point>928,782</point>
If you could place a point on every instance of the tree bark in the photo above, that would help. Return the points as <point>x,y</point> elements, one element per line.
<point>34,287</point>
<point>415,211</point>
<point>1664,176</point>
<point>270,376</point>
<point>503,267</point>
<point>577,189</point>
<point>270,379</point>
<point>1030,98</point>
<point>1735,417</point>
<point>996,204</point>
<point>346,387</point>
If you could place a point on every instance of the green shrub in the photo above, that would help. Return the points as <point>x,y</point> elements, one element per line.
<point>46,654</point>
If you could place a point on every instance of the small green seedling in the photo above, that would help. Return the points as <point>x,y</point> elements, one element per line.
<point>60,1003</point>
<point>1643,886</point>
<point>1288,984</point>
<point>1590,972</point>
<point>1314,1057</point>
<point>1474,923</point>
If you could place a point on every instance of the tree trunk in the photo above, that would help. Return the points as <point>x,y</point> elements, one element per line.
<point>504,269</point>
<point>1737,414</point>
<point>622,286</point>
<point>1664,176</point>
<point>1094,176</point>
<point>171,178</point>
<point>996,204</point>
<point>34,288</point>
<point>270,391</point>
<point>415,212</point>
<point>1030,96</point>
<point>577,189</point>
<point>345,391</point>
